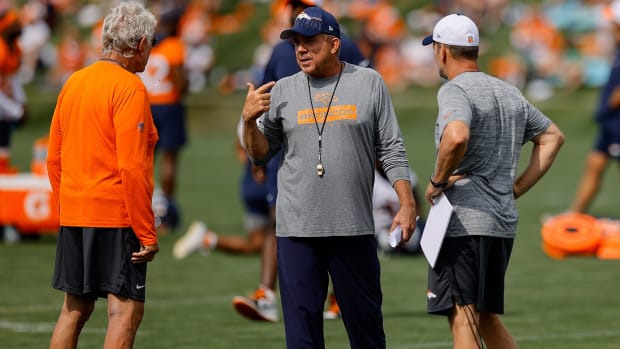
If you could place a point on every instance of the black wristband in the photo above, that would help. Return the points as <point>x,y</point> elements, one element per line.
<point>441,185</point>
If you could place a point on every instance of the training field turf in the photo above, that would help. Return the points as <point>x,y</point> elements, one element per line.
<point>550,304</point>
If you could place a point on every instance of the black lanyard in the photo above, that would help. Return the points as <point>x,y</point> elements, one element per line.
<point>320,170</point>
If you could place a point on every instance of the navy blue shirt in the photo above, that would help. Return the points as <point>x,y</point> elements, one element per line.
<point>604,113</point>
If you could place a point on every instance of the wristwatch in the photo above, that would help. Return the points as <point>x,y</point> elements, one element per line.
<point>441,185</point>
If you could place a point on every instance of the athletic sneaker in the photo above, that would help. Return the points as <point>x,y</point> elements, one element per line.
<point>261,306</point>
<point>192,241</point>
<point>333,310</point>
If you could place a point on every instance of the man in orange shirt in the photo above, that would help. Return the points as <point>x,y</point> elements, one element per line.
<point>100,165</point>
<point>12,95</point>
<point>166,82</point>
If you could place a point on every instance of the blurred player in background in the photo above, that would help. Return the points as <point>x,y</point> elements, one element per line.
<point>258,194</point>
<point>166,81</point>
<point>12,95</point>
<point>607,144</point>
<point>385,204</point>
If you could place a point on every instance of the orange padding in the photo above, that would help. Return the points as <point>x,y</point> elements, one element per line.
<point>571,234</point>
<point>610,244</point>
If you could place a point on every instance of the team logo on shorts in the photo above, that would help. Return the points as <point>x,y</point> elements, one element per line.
<point>430,295</point>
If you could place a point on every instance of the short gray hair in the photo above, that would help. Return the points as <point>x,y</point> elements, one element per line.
<point>124,27</point>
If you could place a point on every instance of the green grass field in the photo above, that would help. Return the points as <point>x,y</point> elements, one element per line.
<point>550,304</point>
<point>565,304</point>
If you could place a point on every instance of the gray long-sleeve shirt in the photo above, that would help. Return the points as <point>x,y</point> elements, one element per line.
<point>361,128</point>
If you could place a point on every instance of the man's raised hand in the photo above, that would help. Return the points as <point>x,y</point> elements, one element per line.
<point>257,101</point>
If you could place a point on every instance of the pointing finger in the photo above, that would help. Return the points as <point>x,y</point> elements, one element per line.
<point>266,87</point>
<point>251,87</point>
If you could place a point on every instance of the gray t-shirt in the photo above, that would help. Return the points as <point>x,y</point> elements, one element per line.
<point>361,128</point>
<point>500,121</point>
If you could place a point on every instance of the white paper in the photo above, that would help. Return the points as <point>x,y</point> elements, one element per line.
<point>395,236</point>
<point>435,228</point>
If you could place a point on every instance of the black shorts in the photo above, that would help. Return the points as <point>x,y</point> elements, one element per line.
<point>93,262</point>
<point>469,270</point>
<point>6,128</point>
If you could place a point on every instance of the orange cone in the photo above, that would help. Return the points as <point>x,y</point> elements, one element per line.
<point>571,234</point>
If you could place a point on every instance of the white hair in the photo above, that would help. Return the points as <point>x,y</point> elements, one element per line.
<point>124,26</point>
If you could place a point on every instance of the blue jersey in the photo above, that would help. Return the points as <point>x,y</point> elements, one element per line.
<point>604,113</point>
<point>608,140</point>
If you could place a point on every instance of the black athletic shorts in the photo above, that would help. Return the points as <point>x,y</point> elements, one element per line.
<point>469,270</point>
<point>93,262</point>
<point>6,128</point>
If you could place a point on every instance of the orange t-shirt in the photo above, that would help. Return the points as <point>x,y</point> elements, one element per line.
<point>101,151</point>
<point>158,74</point>
<point>10,59</point>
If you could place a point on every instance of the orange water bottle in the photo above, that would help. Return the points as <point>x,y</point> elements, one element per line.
<point>38,164</point>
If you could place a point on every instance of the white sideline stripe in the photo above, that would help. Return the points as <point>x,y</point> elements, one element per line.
<point>25,327</point>
<point>38,327</point>
<point>34,308</point>
<point>522,339</point>
<point>576,335</point>
<point>24,181</point>
<point>47,327</point>
<point>150,303</point>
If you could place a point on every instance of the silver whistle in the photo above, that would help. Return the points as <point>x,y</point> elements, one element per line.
<point>320,171</point>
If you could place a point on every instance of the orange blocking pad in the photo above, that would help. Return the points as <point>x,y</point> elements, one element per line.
<point>579,234</point>
<point>26,204</point>
<point>571,234</point>
<point>610,245</point>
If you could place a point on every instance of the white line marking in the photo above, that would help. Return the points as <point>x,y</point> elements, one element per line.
<point>525,339</point>
<point>38,327</point>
